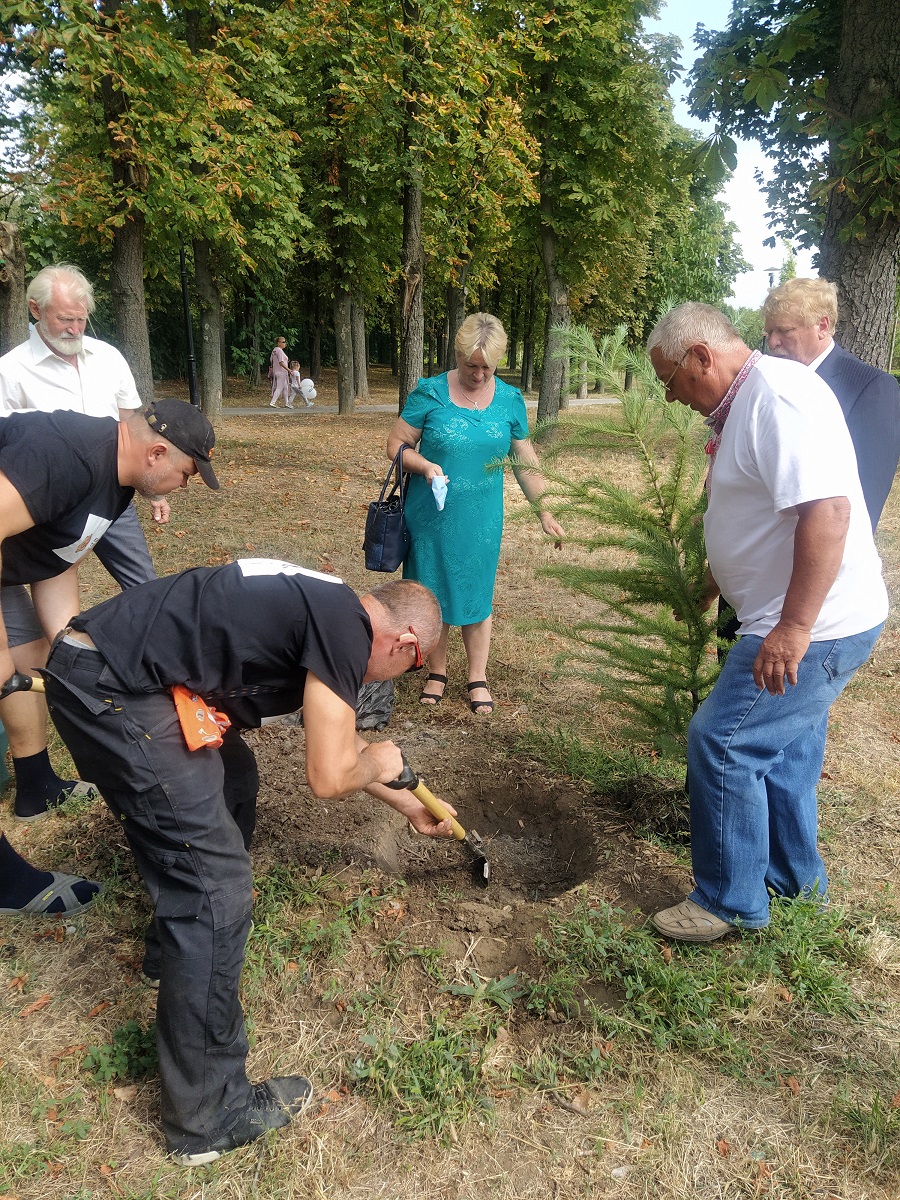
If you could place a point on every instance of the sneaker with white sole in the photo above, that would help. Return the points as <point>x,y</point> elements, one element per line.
<point>273,1106</point>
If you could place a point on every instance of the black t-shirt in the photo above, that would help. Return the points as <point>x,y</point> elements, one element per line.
<point>64,465</point>
<point>254,627</point>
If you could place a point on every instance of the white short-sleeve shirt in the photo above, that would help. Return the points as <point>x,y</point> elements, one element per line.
<point>786,442</point>
<point>33,378</point>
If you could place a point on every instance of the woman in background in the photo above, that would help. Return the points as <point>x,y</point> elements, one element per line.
<point>463,423</point>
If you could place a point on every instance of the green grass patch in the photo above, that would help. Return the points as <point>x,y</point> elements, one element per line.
<point>693,998</point>
<point>304,920</point>
<point>429,1083</point>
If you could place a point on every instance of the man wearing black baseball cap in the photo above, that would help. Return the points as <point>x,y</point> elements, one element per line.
<point>64,478</point>
<point>185,426</point>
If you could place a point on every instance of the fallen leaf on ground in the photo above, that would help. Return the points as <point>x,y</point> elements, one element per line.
<point>783,994</point>
<point>791,1083</point>
<point>581,1100</point>
<point>99,1008</point>
<point>36,1006</point>
<point>16,985</point>
<point>126,1093</point>
<point>667,954</point>
<point>723,1147</point>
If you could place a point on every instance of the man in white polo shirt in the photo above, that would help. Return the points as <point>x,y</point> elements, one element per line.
<point>59,368</point>
<point>789,542</point>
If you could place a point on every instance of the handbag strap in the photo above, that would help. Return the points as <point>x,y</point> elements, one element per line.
<point>398,475</point>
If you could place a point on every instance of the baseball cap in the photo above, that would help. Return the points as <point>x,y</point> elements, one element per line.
<point>185,426</point>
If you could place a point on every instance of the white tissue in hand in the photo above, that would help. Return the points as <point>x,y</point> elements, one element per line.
<point>439,489</point>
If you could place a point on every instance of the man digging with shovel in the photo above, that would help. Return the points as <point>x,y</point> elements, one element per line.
<point>140,688</point>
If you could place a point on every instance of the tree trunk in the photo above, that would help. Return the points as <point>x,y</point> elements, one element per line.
<point>515,308</point>
<point>583,380</point>
<point>527,376</point>
<point>865,81</point>
<point>315,339</point>
<point>127,267</point>
<point>456,314</point>
<point>13,309</point>
<point>412,311</point>
<point>343,343</point>
<point>360,352</point>
<point>553,371</point>
<point>210,300</point>
<point>255,348</point>
<point>126,286</point>
<point>443,348</point>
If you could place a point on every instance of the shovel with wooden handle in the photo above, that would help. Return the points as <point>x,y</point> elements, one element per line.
<point>481,868</point>
<point>20,682</point>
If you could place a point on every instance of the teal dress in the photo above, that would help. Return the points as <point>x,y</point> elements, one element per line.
<point>455,552</point>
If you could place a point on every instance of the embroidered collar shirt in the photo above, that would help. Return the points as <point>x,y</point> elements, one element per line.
<point>35,379</point>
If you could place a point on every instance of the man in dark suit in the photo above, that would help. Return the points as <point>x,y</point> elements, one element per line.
<point>800,318</point>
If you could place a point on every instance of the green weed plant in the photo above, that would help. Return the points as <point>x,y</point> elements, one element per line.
<point>130,1055</point>
<point>432,1083</point>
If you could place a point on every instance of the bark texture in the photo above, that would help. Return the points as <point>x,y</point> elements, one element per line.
<point>864,83</point>
<point>412,312</point>
<point>553,372</point>
<point>343,342</point>
<point>13,309</point>
<point>360,350</point>
<point>211,333</point>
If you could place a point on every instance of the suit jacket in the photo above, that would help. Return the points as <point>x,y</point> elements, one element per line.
<point>870,400</point>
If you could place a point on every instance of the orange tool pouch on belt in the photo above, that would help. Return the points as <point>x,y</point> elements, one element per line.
<point>201,724</point>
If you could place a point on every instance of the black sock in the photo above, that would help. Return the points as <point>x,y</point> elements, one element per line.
<point>37,785</point>
<point>20,882</point>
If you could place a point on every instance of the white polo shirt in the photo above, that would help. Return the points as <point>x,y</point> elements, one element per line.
<point>785,442</point>
<point>33,378</point>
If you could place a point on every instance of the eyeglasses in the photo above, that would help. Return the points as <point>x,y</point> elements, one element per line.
<point>420,661</point>
<point>668,383</point>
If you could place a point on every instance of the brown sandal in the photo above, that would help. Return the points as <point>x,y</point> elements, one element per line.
<point>431,699</point>
<point>476,704</point>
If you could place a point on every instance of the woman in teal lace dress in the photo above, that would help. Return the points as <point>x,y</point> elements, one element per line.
<point>463,423</point>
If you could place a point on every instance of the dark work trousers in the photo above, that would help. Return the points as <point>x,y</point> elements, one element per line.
<point>240,789</point>
<point>193,862</point>
<point>124,552</point>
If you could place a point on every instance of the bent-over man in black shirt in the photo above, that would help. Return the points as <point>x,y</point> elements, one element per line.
<point>254,639</point>
<point>64,478</point>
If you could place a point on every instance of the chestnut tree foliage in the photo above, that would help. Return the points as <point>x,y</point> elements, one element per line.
<point>817,84</point>
<point>344,169</point>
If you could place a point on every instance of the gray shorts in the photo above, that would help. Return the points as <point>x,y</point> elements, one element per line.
<point>19,617</point>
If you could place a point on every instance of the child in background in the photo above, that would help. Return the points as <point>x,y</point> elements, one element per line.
<point>294,377</point>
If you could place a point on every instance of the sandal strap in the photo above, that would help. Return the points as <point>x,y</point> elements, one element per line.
<point>477,683</point>
<point>436,678</point>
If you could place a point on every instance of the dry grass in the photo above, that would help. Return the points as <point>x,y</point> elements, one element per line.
<point>655,1125</point>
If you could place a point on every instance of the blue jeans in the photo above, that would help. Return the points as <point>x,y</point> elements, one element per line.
<point>754,761</point>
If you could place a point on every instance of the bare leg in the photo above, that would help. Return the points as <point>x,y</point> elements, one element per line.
<point>477,641</point>
<point>437,665</point>
<point>25,713</point>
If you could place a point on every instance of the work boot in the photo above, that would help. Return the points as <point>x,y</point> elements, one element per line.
<point>273,1105</point>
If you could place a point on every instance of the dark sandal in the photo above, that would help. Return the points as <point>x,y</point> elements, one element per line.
<point>476,704</point>
<point>431,699</point>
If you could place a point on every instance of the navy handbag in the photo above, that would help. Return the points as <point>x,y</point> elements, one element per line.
<point>387,538</point>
